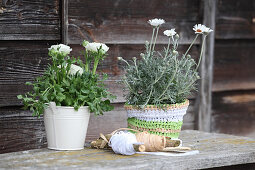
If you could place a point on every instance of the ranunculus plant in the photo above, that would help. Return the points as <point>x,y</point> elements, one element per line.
<point>68,81</point>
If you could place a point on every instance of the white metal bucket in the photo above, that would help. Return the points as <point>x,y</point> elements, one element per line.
<point>66,128</point>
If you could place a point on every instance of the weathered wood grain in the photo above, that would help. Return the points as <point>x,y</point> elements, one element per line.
<point>30,20</point>
<point>233,112</point>
<point>64,20</point>
<point>23,61</point>
<point>206,70</point>
<point>20,61</point>
<point>234,65</point>
<point>125,21</point>
<point>216,150</point>
<point>20,131</point>
<point>235,19</point>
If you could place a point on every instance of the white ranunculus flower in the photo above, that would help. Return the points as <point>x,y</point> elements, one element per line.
<point>170,32</point>
<point>95,46</point>
<point>74,69</point>
<point>61,48</point>
<point>156,22</point>
<point>201,29</point>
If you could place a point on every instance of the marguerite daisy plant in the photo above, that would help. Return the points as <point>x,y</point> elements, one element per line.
<point>162,77</point>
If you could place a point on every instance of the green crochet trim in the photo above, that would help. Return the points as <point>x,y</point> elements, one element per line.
<point>157,125</point>
<point>154,125</point>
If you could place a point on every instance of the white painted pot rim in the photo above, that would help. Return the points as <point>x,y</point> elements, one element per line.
<point>70,107</point>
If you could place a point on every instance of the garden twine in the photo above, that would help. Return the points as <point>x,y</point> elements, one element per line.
<point>122,142</point>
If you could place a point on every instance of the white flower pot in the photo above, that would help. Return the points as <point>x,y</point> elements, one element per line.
<point>66,128</point>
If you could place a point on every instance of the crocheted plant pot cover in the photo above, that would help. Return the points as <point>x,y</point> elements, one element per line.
<point>166,121</point>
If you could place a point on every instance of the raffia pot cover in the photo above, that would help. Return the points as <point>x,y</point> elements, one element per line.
<point>164,121</point>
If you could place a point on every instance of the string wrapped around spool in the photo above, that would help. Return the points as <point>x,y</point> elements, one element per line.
<point>143,142</point>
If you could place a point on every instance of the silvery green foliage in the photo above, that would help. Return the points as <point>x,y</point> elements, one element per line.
<point>163,78</point>
<point>160,78</point>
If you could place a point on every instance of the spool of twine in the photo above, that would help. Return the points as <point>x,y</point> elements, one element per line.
<point>122,143</point>
<point>151,142</point>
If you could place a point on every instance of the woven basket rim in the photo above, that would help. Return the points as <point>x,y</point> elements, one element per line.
<point>154,107</point>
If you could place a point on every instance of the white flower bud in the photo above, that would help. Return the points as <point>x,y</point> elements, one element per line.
<point>84,43</point>
<point>176,36</point>
<point>175,52</point>
<point>147,43</point>
<point>119,58</point>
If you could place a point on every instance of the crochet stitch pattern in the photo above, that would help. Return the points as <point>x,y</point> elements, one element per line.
<point>166,121</point>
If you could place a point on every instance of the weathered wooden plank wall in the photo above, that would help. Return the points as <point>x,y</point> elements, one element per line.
<point>125,21</point>
<point>234,81</point>
<point>27,29</point>
<point>204,98</point>
<point>30,20</point>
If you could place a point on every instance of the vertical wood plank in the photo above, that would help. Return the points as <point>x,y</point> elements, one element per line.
<point>205,96</point>
<point>64,21</point>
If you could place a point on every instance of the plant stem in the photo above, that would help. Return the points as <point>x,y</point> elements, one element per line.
<point>148,98</point>
<point>201,53</point>
<point>175,43</point>
<point>95,65</point>
<point>46,91</point>
<point>125,61</point>
<point>151,40</point>
<point>170,80</point>
<point>169,40</point>
<point>130,89</point>
<point>155,39</point>
<point>137,69</point>
<point>191,45</point>
<point>87,62</point>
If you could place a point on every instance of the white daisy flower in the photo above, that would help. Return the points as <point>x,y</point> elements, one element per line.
<point>61,48</point>
<point>170,33</point>
<point>201,29</point>
<point>156,22</point>
<point>95,46</point>
<point>207,30</point>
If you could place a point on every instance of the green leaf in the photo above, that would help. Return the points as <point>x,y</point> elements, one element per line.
<point>60,97</point>
<point>28,83</point>
<point>20,97</point>
<point>66,82</point>
<point>85,91</point>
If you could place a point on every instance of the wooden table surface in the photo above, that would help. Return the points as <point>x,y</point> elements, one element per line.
<point>216,150</point>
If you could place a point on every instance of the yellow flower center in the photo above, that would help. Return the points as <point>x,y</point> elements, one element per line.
<point>199,30</point>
